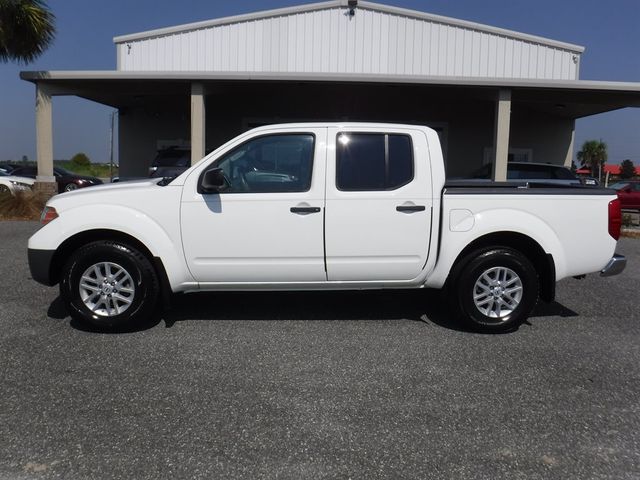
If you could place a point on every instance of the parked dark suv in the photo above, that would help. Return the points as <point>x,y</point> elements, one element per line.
<point>66,181</point>
<point>170,162</point>
<point>540,172</point>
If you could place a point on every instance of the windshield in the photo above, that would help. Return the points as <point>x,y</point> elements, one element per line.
<point>173,158</point>
<point>61,171</point>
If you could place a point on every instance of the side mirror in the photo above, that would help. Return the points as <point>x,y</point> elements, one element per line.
<point>213,181</point>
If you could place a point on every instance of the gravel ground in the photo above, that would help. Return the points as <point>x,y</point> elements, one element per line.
<point>319,385</point>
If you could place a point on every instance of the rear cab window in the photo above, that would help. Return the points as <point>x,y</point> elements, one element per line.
<point>373,161</point>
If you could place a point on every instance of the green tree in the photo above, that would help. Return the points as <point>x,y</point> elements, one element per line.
<point>27,28</point>
<point>593,155</point>
<point>80,160</point>
<point>627,169</point>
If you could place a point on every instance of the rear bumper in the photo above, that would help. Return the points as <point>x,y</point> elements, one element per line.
<point>40,265</point>
<point>615,266</point>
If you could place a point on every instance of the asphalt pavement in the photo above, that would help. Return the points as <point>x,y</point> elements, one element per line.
<point>360,385</point>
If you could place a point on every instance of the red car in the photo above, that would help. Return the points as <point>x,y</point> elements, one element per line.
<point>628,193</point>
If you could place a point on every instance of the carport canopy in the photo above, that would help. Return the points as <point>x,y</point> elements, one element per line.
<point>123,90</point>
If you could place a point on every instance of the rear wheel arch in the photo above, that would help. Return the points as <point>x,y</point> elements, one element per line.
<point>543,262</point>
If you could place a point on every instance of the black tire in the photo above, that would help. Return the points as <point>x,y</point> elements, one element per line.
<point>108,312</point>
<point>70,187</point>
<point>486,290</point>
<point>4,189</point>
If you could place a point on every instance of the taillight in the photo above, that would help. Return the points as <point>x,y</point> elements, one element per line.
<point>615,218</point>
<point>48,214</point>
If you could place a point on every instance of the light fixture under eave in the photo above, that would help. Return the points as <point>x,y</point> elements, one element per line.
<point>352,4</point>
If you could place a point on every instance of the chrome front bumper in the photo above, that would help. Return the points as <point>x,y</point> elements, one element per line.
<point>615,266</point>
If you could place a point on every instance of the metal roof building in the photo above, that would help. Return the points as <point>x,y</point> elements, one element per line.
<point>492,94</point>
<point>326,38</point>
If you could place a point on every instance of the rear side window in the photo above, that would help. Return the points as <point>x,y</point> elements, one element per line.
<point>373,161</point>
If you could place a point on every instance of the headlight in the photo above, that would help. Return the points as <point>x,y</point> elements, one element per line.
<point>20,185</point>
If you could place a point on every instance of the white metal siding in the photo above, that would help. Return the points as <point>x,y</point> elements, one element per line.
<point>328,40</point>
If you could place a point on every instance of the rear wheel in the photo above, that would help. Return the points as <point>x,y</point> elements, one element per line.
<point>70,187</point>
<point>4,189</point>
<point>109,284</point>
<point>496,289</point>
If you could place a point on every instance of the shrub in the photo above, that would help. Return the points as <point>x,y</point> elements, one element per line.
<point>21,206</point>
<point>80,160</point>
<point>627,169</point>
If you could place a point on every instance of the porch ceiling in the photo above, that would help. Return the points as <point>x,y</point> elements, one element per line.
<point>568,99</point>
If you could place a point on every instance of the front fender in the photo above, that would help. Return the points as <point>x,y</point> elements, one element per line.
<point>162,242</point>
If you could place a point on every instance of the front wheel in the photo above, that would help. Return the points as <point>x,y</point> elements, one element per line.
<point>70,187</point>
<point>109,284</point>
<point>496,289</point>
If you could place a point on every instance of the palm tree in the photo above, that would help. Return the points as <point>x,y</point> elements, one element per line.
<point>593,155</point>
<point>26,29</point>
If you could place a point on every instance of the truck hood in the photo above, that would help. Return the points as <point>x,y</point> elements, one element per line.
<point>128,193</point>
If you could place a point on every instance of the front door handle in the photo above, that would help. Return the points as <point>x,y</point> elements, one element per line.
<point>303,210</point>
<point>410,208</point>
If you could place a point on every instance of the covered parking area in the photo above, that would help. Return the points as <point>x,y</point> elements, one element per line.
<point>479,120</point>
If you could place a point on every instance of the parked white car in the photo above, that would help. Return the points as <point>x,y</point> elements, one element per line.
<point>13,184</point>
<point>323,206</point>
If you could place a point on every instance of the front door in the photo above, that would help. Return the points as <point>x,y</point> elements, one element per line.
<point>267,226</point>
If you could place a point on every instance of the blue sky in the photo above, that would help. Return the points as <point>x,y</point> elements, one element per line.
<point>610,31</point>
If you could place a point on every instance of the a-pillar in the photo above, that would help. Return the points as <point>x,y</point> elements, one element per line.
<point>502,125</point>
<point>45,181</point>
<point>198,123</point>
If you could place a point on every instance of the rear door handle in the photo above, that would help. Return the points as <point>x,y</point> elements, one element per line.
<point>410,208</point>
<point>302,210</point>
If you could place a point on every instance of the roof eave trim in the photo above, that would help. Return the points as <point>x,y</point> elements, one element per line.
<point>187,27</point>
<point>473,25</point>
<point>36,76</point>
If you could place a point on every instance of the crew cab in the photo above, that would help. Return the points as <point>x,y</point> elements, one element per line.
<point>323,206</point>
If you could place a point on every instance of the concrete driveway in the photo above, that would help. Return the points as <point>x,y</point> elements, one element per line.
<point>319,385</point>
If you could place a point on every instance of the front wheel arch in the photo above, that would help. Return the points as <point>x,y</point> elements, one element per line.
<point>109,284</point>
<point>71,244</point>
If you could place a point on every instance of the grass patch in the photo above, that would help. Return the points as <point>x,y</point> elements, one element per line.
<point>100,170</point>
<point>22,206</point>
<point>630,233</point>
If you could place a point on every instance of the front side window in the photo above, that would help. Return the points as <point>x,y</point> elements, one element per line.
<point>373,161</point>
<point>270,164</point>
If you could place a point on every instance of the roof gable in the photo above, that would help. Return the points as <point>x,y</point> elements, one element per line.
<point>325,38</point>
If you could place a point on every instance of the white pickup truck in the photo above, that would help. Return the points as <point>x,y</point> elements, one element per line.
<point>323,206</point>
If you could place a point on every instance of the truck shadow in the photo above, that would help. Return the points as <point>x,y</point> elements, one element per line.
<point>426,306</point>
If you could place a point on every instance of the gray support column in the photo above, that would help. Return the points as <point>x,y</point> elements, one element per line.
<point>502,125</point>
<point>45,181</point>
<point>198,125</point>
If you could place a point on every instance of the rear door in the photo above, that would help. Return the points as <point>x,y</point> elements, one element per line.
<point>378,204</point>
